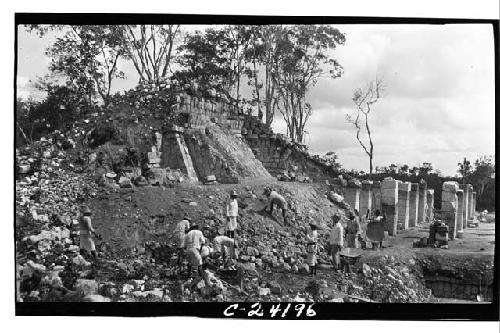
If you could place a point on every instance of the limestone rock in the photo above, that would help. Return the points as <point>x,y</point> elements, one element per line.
<point>264,291</point>
<point>125,182</point>
<point>96,298</point>
<point>304,269</point>
<point>87,287</point>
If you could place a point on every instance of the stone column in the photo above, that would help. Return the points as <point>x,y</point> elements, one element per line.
<point>460,210</point>
<point>467,188</point>
<point>413,205</point>
<point>390,204</point>
<point>471,211</point>
<point>351,196</point>
<point>422,201</point>
<point>376,196</point>
<point>430,204</point>
<point>404,204</point>
<point>449,207</point>
<point>365,197</point>
<point>474,204</point>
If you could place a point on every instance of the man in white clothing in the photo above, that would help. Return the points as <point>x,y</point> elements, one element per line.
<point>224,245</point>
<point>232,214</point>
<point>193,243</point>
<point>336,241</point>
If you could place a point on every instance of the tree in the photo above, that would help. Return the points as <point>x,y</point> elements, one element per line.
<point>261,55</point>
<point>364,100</point>
<point>303,56</point>
<point>86,56</point>
<point>464,169</point>
<point>150,48</point>
<point>484,173</point>
<point>425,169</point>
<point>215,60</point>
<point>331,159</point>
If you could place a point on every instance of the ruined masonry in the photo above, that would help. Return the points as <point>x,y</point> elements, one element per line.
<point>414,196</point>
<point>390,204</point>
<point>422,201</point>
<point>430,204</point>
<point>208,145</point>
<point>449,205</point>
<point>473,206</point>
<point>365,197</point>
<point>467,188</point>
<point>404,205</point>
<point>351,196</point>
<point>377,196</point>
<point>460,210</point>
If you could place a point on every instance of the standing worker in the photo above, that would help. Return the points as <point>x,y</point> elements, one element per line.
<point>336,241</point>
<point>352,231</point>
<point>193,244</point>
<point>277,200</point>
<point>378,219</point>
<point>232,214</point>
<point>86,229</point>
<point>312,248</point>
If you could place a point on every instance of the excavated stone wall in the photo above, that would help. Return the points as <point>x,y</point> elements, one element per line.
<point>215,151</point>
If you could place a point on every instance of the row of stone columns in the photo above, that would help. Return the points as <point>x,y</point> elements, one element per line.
<point>405,204</point>
<point>458,206</point>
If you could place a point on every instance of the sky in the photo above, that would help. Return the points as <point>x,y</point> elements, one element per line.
<point>438,105</point>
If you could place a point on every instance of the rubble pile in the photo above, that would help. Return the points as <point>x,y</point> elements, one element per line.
<point>389,279</point>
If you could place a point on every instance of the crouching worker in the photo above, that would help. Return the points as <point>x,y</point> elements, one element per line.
<point>86,229</point>
<point>193,243</point>
<point>180,232</point>
<point>312,248</point>
<point>225,247</point>
<point>275,199</point>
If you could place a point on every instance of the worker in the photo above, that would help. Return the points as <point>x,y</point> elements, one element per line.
<point>312,248</point>
<point>224,246</point>
<point>336,241</point>
<point>352,230</point>
<point>277,200</point>
<point>180,232</point>
<point>86,231</point>
<point>379,218</point>
<point>232,214</point>
<point>193,243</point>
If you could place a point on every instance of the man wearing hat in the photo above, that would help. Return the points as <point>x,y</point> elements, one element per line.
<point>86,241</point>
<point>336,241</point>
<point>193,243</point>
<point>232,214</point>
<point>312,239</point>
<point>352,230</point>
<point>180,232</point>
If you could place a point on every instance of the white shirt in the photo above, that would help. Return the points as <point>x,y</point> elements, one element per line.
<point>337,235</point>
<point>220,241</point>
<point>194,239</point>
<point>312,236</point>
<point>232,208</point>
